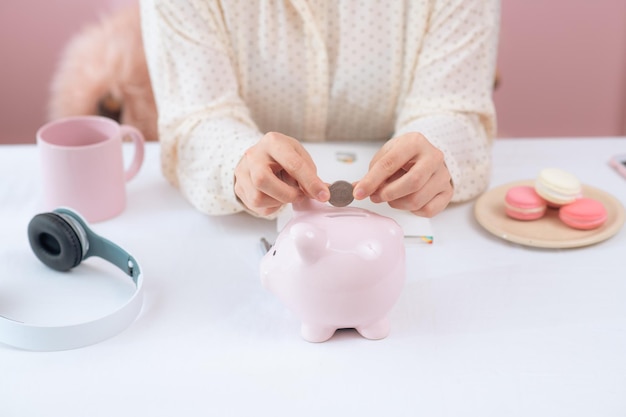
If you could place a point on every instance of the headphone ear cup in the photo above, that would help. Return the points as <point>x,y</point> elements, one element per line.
<point>54,241</point>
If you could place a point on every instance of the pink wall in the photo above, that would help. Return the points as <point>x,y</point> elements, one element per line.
<point>32,34</point>
<point>563,67</point>
<point>563,64</point>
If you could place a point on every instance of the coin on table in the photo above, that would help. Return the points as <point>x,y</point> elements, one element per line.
<point>340,193</point>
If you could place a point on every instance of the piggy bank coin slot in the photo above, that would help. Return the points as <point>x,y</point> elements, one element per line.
<point>346,215</point>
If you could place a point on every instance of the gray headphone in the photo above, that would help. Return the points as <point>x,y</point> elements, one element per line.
<point>61,239</point>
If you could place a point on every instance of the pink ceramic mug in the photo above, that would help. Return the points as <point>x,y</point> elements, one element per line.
<point>82,165</point>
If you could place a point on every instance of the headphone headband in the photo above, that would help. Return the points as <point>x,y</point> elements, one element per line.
<point>51,338</point>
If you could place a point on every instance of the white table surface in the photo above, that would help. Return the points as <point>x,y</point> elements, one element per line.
<point>483,327</point>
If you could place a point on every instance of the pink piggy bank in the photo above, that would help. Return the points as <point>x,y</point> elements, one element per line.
<point>337,268</point>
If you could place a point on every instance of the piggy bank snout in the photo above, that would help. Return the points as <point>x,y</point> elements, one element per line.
<point>265,278</point>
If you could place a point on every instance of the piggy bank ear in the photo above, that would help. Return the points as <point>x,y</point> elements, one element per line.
<point>310,241</point>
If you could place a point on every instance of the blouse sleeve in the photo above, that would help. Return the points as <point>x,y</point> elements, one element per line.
<point>450,97</point>
<point>204,125</point>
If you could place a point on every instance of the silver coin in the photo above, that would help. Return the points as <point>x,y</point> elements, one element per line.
<point>341,193</point>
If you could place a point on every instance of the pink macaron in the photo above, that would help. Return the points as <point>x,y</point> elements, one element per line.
<point>523,203</point>
<point>584,214</point>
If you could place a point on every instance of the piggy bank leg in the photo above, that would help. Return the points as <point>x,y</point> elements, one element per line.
<point>315,333</point>
<point>377,330</point>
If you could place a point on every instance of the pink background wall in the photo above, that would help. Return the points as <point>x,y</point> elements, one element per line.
<point>32,34</point>
<point>563,67</point>
<point>562,62</point>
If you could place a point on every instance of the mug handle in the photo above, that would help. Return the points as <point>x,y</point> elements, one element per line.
<point>138,142</point>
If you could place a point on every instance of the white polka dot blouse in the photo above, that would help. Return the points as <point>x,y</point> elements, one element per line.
<point>226,72</point>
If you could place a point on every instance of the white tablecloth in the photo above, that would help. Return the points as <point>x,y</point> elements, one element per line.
<point>483,327</point>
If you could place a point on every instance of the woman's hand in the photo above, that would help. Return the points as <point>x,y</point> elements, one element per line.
<point>408,173</point>
<point>276,171</point>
